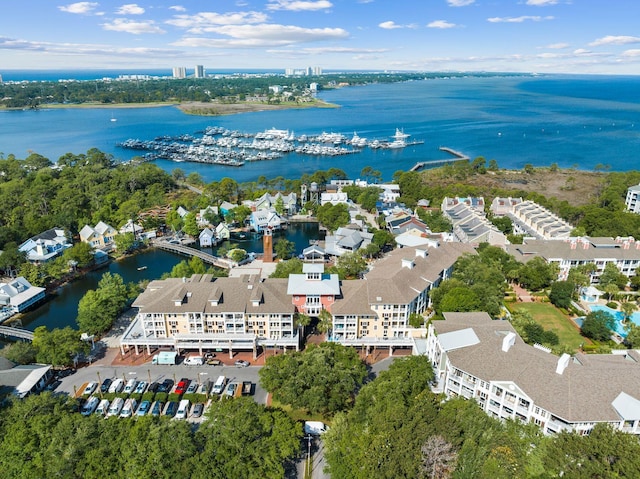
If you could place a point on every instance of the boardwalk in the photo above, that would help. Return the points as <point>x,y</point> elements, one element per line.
<point>16,333</point>
<point>457,157</point>
<point>186,250</point>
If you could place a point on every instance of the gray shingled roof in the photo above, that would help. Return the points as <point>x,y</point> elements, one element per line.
<point>584,392</point>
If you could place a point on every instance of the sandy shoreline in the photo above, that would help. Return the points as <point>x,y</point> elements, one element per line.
<point>195,108</point>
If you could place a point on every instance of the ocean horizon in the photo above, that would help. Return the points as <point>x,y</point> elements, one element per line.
<point>575,121</point>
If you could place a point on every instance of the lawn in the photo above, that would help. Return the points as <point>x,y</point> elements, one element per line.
<point>549,317</point>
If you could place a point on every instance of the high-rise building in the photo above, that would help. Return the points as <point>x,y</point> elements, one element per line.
<point>288,71</point>
<point>317,71</point>
<point>179,72</point>
<point>199,71</point>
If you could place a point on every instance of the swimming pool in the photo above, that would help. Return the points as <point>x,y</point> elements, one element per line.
<point>635,318</point>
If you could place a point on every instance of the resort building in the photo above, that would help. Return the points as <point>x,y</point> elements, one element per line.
<point>632,201</point>
<point>99,237</point>
<point>45,246</point>
<point>469,221</point>
<point>18,295</point>
<point>530,219</point>
<point>576,251</point>
<point>478,358</point>
<point>246,312</point>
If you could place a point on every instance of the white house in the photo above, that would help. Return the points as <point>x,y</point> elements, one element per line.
<point>262,219</point>
<point>45,246</point>
<point>206,238</point>
<point>17,295</point>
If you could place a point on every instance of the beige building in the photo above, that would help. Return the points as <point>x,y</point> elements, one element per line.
<point>482,359</point>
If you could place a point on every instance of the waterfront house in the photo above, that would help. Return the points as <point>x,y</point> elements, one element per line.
<point>131,227</point>
<point>201,216</point>
<point>478,358</point>
<point>45,246</point>
<point>206,238</point>
<point>268,201</point>
<point>18,295</point>
<point>223,232</point>
<point>225,207</point>
<point>99,237</point>
<point>261,220</point>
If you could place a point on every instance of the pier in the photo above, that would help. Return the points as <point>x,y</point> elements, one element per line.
<point>16,333</point>
<point>186,250</point>
<point>457,156</point>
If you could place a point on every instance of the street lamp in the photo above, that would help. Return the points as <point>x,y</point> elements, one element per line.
<point>309,455</point>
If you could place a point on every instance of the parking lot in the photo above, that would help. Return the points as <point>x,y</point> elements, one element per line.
<point>74,384</point>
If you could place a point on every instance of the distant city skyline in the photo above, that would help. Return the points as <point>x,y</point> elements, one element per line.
<point>545,36</point>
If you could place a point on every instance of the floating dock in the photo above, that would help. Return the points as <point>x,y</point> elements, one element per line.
<point>457,156</point>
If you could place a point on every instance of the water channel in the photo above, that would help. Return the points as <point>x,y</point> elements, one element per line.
<point>62,308</point>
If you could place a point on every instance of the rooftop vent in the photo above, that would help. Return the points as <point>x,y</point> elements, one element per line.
<point>408,263</point>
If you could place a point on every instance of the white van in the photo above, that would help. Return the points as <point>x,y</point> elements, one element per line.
<point>218,386</point>
<point>116,386</point>
<point>129,408</point>
<point>90,406</point>
<point>116,407</point>
<point>103,407</point>
<point>194,361</point>
<point>183,409</point>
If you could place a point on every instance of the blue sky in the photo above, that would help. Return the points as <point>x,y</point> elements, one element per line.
<point>564,36</point>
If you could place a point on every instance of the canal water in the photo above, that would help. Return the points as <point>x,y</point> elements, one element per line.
<point>62,308</point>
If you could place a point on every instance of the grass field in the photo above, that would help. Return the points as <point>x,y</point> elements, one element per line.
<point>549,317</point>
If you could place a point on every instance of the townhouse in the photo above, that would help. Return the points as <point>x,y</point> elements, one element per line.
<point>478,358</point>
<point>469,221</point>
<point>531,219</point>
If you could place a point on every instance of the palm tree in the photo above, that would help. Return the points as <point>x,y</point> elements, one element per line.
<point>325,321</point>
<point>302,321</point>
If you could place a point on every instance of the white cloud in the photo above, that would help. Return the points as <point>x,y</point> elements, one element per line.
<point>252,36</point>
<point>177,8</point>
<point>390,25</point>
<point>541,3</point>
<point>441,24</point>
<point>82,8</point>
<point>299,5</point>
<point>208,21</point>
<point>325,50</point>
<point>130,26</point>
<point>460,3</point>
<point>631,53</point>
<point>130,9</point>
<point>523,18</point>
<point>558,46</point>
<point>615,40</point>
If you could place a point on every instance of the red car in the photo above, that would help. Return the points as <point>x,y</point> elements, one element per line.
<point>182,386</point>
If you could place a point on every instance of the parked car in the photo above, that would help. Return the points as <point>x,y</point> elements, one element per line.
<point>153,387</point>
<point>171,408</point>
<point>115,407</point>
<point>130,405</point>
<point>198,408</point>
<point>104,387</point>
<point>165,386</point>
<point>231,389</point>
<point>130,386</point>
<point>63,373</point>
<point>116,386</point>
<point>156,408</point>
<point>183,409</point>
<point>205,387</point>
<point>140,388</point>
<point>144,408</point>
<point>90,388</point>
<point>90,406</point>
<point>242,363</point>
<point>182,386</point>
<point>102,408</point>
<point>52,386</point>
<point>193,387</point>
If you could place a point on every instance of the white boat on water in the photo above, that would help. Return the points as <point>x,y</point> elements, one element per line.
<point>400,135</point>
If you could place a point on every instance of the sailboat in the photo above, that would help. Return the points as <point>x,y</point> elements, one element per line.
<point>113,118</point>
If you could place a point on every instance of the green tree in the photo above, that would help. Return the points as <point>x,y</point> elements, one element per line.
<point>384,239</point>
<point>285,268</point>
<point>627,309</point>
<point>322,379</point>
<point>58,346</point>
<point>81,253</point>
<point>537,274</point>
<point>20,352</point>
<point>612,275</point>
<point>333,216</point>
<point>99,308</point>
<point>416,320</point>
<point>598,325</point>
<point>561,293</point>
<point>633,335</point>
<point>237,254</point>
<point>284,248</point>
<point>350,265</point>
<point>124,242</point>
<point>11,258</point>
<point>190,224</point>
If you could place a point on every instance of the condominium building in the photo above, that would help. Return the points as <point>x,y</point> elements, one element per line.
<point>179,72</point>
<point>632,201</point>
<point>624,252</point>
<point>478,358</point>
<point>199,71</point>
<point>469,221</point>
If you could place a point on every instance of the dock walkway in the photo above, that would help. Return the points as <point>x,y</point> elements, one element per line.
<point>458,156</point>
<point>186,250</point>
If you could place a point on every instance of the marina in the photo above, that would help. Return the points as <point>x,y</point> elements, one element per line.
<point>221,146</point>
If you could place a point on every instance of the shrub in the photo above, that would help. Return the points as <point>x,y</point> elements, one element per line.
<point>612,305</point>
<point>162,397</point>
<point>148,396</point>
